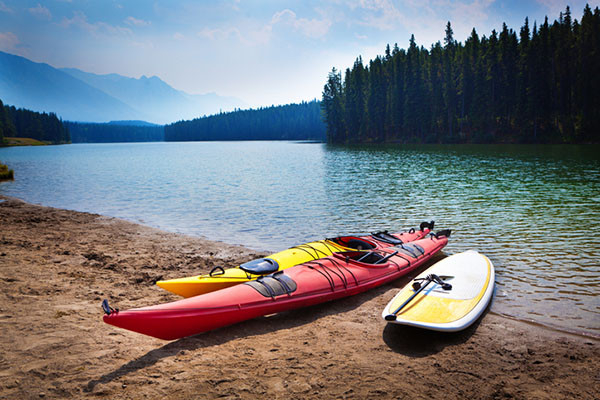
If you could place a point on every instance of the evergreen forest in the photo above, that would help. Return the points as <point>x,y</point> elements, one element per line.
<point>83,132</point>
<point>540,85</point>
<point>289,122</point>
<point>30,124</point>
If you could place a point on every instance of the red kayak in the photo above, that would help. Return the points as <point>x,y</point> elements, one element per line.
<point>339,275</point>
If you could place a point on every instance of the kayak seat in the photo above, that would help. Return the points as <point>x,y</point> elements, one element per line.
<point>410,249</point>
<point>353,243</point>
<point>273,285</point>
<point>261,266</point>
<point>386,237</point>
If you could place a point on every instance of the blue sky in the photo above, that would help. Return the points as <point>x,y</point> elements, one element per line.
<point>263,52</point>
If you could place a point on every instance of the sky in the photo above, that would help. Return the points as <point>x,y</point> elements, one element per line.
<point>262,52</point>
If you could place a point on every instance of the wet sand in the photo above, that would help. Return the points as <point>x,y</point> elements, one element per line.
<point>56,266</point>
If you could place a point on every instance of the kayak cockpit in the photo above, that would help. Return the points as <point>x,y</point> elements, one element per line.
<point>353,242</point>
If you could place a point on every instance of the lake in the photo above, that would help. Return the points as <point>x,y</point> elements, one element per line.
<point>534,210</point>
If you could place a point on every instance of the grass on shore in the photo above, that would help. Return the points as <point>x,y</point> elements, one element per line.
<point>18,141</point>
<point>5,173</point>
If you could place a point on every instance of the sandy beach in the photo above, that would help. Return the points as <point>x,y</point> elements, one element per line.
<point>56,266</point>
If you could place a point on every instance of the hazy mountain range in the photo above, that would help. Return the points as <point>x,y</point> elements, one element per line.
<point>76,95</point>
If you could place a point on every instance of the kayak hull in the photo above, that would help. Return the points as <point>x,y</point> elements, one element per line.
<point>304,285</point>
<point>220,279</point>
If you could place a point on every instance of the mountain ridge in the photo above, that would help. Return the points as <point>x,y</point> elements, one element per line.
<point>41,87</point>
<point>82,96</point>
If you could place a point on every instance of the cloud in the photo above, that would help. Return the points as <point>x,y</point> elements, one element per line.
<point>219,34</point>
<point>8,41</point>
<point>40,12</point>
<point>251,32</point>
<point>136,22</point>
<point>313,28</point>
<point>5,8</point>
<point>555,7</point>
<point>145,45</point>
<point>80,21</point>
<point>248,36</point>
<point>178,36</point>
<point>426,19</point>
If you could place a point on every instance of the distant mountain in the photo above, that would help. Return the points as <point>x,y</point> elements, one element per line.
<point>40,87</point>
<point>132,123</point>
<point>157,98</point>
<point>81,96</point>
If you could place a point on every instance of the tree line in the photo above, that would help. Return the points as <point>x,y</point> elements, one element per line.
<point>540,86</point>
<point>84,132</point>
<point>289,122</point>
<point>30,124</point>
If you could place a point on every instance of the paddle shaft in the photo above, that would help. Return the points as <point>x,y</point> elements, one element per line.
<point>392,316</point>
<point>384,259</point>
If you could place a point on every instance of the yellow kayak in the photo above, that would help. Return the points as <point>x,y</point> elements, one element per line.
<point>220,278</point>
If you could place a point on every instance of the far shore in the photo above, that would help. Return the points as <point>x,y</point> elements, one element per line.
<point>56,266</point>
<point>22,141</point>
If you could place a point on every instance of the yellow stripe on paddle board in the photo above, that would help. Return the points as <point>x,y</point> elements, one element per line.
<point>430,307</point>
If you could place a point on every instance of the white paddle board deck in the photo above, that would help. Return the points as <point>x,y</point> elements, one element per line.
<point>472,278</point>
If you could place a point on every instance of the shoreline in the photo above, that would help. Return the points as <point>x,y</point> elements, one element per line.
<point>57,265</point>
<point>263,252</point>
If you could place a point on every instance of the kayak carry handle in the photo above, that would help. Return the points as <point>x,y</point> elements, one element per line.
<point>107,308</point>
<point>213,271</point>
<point>444,232</point>
<point>426,224</point>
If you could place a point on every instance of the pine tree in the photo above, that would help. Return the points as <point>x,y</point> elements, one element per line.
<point>538,86</point>
<point>333,109</point>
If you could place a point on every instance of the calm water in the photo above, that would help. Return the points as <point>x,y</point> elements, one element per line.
<point>535,211</point>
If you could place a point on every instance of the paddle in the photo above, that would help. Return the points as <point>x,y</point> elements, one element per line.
<point>384,259</point>
<point>365,256</point>
<point>418,285</point>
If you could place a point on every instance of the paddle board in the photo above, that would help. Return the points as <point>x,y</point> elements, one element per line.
<point>424,302</point>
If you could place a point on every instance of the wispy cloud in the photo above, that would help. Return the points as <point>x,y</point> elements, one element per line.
<point>80,21</point>
<point>554,7</point>
<point>254,33</point>
<point>220,33</point>
<point>136,22</point>
<point>146,44</point>
<point>425,18</point>
<point>8,41</point>
<point>5,8</point>
<point>40,12</point>
<point>312,28</point>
